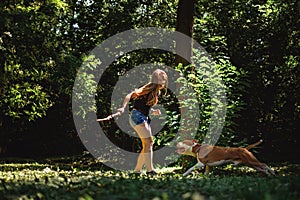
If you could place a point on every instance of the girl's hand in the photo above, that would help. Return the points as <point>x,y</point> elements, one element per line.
<point>121,110</point>
<point>156,112</point>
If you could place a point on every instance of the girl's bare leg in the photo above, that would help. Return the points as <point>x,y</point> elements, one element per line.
<point>141,159</point>
<point>146,155</point>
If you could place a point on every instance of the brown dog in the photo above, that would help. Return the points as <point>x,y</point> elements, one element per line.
<point>208,155</point>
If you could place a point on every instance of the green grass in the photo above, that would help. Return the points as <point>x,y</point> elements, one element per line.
<point>82,179</point>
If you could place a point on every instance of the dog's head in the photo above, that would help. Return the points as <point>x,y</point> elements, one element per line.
<point>186,147</point>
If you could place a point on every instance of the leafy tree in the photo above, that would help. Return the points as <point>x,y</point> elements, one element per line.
<point>259,38</point>
<point>255,45</point>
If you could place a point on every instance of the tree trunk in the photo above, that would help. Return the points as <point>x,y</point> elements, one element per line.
<point>185,21</point>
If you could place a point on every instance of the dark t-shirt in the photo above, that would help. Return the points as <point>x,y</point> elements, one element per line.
<point>140,104</point>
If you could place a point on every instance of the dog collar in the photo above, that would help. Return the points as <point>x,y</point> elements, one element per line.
<point>197,148</point>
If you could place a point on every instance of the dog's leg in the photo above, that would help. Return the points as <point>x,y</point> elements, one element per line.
<point>249,159</point>
<point>270,170</point>
<point>197,166</point>
<point>261,169</point>
<point>207,168</point>
<point>265,169</point>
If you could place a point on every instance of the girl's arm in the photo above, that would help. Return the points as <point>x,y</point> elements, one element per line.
<point>138,92</point>
<point>125,102</point>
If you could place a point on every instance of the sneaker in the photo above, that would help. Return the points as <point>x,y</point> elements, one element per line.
<point>152,173</point>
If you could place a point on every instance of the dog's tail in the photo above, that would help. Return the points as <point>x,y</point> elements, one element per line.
<point>253,145</point>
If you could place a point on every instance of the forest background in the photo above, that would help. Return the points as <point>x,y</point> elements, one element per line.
<point>255,44</point>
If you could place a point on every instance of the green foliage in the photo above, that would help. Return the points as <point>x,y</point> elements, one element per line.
<point>21,97</point>
<point>27,53</point>
<point>259,38</point>
<point>255,45</point>
<point>86,86</point>
<point>63,180</point>
<point>219,88</point>
<point>236,82</point>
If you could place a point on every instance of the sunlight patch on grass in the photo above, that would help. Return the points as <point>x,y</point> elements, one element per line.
<point>65,181</point>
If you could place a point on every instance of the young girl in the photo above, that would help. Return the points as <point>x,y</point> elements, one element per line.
<point>144,98</point>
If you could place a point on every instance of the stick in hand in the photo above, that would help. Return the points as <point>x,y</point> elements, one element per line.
<point>109,117</point>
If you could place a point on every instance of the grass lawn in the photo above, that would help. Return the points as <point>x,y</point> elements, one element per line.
<point>83,179</point>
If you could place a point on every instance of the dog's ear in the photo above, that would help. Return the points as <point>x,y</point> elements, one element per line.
<point>195,141</point>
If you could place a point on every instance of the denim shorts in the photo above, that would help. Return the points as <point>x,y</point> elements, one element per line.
<point>136,118</point>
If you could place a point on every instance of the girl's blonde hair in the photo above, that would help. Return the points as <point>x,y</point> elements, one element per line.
<point>153,88</point>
